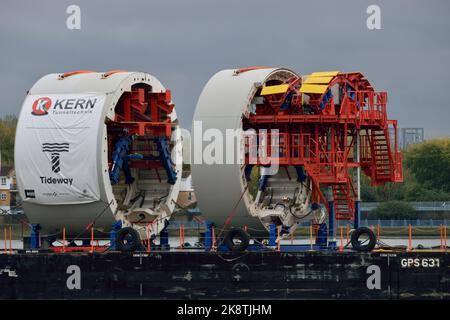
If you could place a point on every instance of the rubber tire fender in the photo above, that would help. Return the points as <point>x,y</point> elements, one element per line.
<point>239,234</point>
<point>366,247</point>
<point>132,244</point>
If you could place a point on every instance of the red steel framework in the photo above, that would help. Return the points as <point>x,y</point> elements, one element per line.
<point>143,114</point>
<point>318,129</point>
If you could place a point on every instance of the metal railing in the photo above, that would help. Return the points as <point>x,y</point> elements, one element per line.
<point>434,223</point>
<point>428,206</point>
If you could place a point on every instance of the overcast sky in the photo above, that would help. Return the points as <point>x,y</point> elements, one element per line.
<point>183,43</point>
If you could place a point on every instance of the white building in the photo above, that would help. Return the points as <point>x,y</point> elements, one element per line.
<point>6,184</point>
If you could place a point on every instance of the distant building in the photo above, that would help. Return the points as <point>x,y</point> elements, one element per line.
<point>7,185</point>
<point>411,136</point>
<point>392,135</point>
<point>186,197</point>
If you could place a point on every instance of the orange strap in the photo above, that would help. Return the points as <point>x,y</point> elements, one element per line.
<point>148,237</point>
<point>278,239</point>
<point>242,70</point>
<point>347,233</point>
<point>213,239</point>
<point>64,239</point>
<point>111,72</point>
<point>409,237</point>
<point>445,237</point>
<point>92,239</point>
<point>72,73</point>
<point>10,239</point>
<point>181,237</point>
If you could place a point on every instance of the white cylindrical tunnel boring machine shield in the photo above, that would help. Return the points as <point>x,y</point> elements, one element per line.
<point>80,160</point>
<point>222,188</point>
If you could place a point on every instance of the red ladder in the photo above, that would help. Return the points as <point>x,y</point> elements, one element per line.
<point>344,203</point>
<point>382,156</point>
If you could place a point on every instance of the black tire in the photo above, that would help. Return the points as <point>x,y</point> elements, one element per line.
<point>236,234</point>
<point>366,247</point>
<point>127,240</point>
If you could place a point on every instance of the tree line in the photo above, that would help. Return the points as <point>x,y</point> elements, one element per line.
<point>7,134</point>
<point>426,172</point>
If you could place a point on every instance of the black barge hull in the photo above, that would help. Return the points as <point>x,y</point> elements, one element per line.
<point>200,275</point>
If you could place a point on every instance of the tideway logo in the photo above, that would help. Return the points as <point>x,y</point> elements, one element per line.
<point>42,106</point>
<point>50,180</point>
<point>55,150</point>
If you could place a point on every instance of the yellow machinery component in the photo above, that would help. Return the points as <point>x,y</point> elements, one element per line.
<point>325,74</point>
<point>313,88</point>
<point>318,80</point>
<point>281,88</point>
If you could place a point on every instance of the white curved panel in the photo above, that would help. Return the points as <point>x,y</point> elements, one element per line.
<point>86,159</point>
<point>225,99</point>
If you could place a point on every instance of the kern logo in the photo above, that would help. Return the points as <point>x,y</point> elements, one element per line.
<point>41,106</point>
<point>55,150</point>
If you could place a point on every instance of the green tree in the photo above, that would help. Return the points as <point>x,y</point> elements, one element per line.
<point>429,162</point>
<point>426,175</point>
<point>7,135</point>
<point>385,192</point>
<point>394,210</point>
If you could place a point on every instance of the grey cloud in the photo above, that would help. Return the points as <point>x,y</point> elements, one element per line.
<point>185,42</point>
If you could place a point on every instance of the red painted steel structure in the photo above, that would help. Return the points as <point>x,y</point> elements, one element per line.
<point>319,132</point>
<point>145,115</point>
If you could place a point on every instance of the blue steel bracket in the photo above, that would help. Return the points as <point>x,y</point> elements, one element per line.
<point>263,182</point>
<point>165,157</point>
<point>35,236</point>
<point>208,236</point>
<point>326,97</point>
<point>301,174</point>
<point>248,171</point>
<point>272,234</point>
<point>164,236</point>
<point>321,238</point>
<point>120,161</point>
<point>332,245</point>
<point>331,219</point>
<point>116,226</point>
<point>331,223</point>
<point>287,102</point>
<point>350,92</point>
